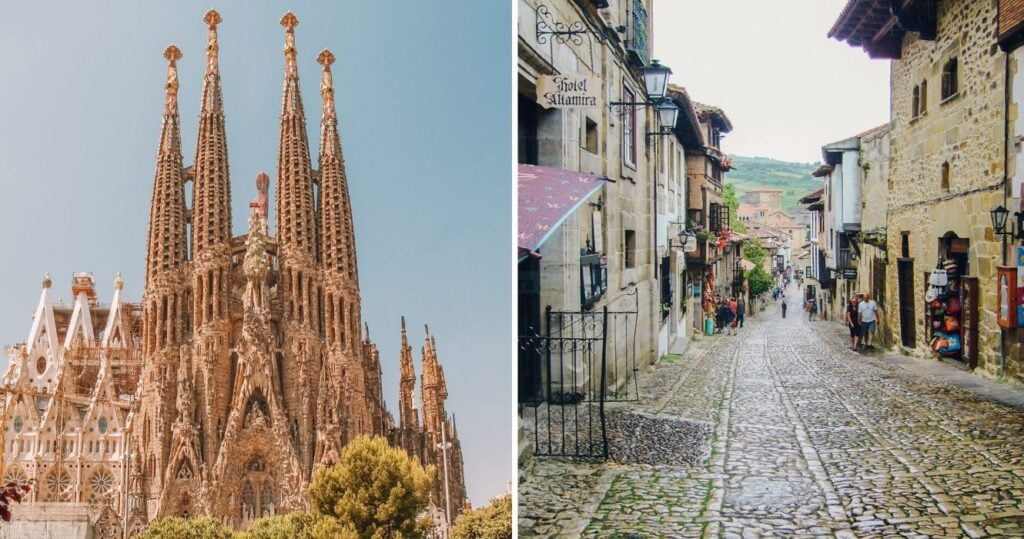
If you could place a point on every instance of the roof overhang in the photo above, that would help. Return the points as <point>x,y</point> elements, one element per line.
<point>878,26</point>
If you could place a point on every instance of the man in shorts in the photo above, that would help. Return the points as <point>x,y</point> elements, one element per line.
<point>868,311</point>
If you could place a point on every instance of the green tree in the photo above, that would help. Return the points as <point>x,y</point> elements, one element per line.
<point>754,252</point>
<point>376,489</point>
<point>733,202</point>
<point>180,528</point>
<point>295,526</point>
<point>759,280</point>
<point>493,521</point>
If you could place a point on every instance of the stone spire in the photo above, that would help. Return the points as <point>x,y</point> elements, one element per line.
<point>295,208</point>
<point>166,246</point>
<point>211,221</point>
<point>407,384</point>
<point>433,388</point>
<point>337,234</point>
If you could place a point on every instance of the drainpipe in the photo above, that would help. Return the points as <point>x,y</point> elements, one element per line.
<point>1007,98</point>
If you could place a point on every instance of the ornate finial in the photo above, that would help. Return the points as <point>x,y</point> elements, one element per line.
<point>118,281</point>
<point>289,21</point>
<point>326,58</point>
<point>172,53</point>
<point>47,283</point>
<point>212,19</point>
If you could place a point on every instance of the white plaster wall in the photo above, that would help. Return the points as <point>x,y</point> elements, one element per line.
<point>851,191</point>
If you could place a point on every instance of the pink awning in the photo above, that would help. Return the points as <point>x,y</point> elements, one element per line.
<point>547,196</point>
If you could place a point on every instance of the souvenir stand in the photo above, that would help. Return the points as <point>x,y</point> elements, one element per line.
<point>950,313</point>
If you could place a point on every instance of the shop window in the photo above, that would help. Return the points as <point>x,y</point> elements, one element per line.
<point>629,129</point>
<point>950,78</point>
<point>629,248</point>
<point>593,277</point>
<point>590,135</point>
<point>945,176</point>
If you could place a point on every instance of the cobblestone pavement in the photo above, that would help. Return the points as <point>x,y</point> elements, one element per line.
<point>809,439</point>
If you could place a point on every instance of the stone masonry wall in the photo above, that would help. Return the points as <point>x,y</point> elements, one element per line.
<point>965,131</point>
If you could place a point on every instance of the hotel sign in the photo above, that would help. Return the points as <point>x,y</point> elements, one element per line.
<point>572,91</point>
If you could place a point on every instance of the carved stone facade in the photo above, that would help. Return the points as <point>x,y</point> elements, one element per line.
<point>246,367</point>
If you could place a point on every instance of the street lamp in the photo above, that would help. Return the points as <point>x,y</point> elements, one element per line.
<point>655,84</point>
<point>668,114</point>
<point>656,79</point>
<point>999,215</point>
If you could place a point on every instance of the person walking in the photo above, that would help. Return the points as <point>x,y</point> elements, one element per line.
<point>725,313</point>
<point>852,321</point>
<point>735,308</point>
<point>868,311</point>
<point>783,306</point>
<point>741,310</point>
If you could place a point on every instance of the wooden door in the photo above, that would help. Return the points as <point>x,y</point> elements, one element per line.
<point>905,270</point>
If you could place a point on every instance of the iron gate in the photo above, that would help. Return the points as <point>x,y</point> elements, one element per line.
<point>581,356</point>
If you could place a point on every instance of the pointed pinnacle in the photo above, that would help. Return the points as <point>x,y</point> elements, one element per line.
<point>212,19</point>
<point>326,58</point>
<point>172,53</point>
<point>289,21</point>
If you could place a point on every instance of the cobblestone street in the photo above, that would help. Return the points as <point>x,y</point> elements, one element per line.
<point>808,439</point>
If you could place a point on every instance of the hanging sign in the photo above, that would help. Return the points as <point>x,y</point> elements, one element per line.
<point>1006,297</point>
<point>573,91</point>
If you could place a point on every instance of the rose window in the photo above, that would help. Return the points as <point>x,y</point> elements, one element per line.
<point>101,483</point>
<point>58,486</point>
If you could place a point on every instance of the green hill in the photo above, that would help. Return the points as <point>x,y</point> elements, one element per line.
<point>794,179</point>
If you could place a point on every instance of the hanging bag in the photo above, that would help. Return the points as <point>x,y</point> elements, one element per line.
<point>939,278</point>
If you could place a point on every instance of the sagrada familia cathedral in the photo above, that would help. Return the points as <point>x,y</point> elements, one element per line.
<point>245,368</point>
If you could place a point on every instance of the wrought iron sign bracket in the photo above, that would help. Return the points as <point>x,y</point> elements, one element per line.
<point>562,33</point>
<point>621,108</point>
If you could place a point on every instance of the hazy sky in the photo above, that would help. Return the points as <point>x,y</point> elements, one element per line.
<point>787,88</point>
<point>423,102</point>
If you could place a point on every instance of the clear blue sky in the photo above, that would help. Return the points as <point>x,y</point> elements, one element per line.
<point>423,92</point>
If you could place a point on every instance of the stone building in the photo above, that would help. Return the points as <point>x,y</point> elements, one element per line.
<point>598,248</point>
<point>871,242</point>
<point>713,265</point>
<point>678,307</point>
<point>947,164</point>
<point>246,367</point>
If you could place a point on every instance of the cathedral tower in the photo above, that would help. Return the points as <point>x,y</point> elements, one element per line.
<point>301,290</point>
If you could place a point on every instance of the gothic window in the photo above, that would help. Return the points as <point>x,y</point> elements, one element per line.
<point>58,486</point>
<point>945,176</point>
<point>101,483</point>
<point>184,471</point>
<point>15,474</point>
<point>41,364</point>
<point>19,423</point>
<point>267,507</point>
<point>103,425</point>
<point>257,465</point>
<point>248,502</point>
